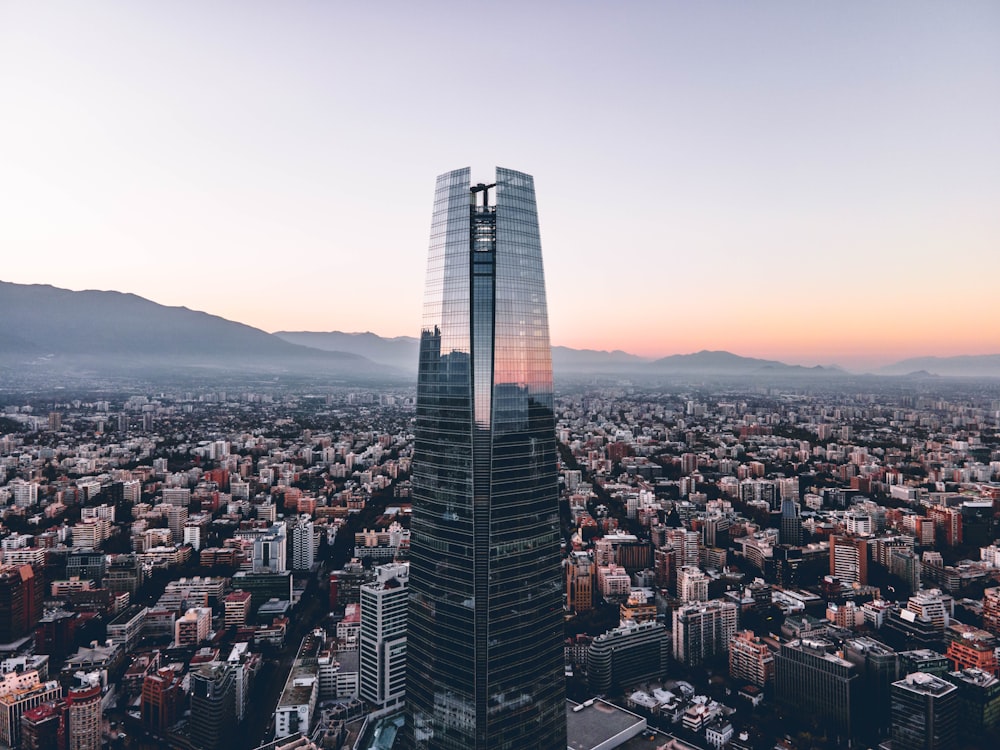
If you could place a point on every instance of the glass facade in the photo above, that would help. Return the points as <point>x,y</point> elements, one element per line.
<point>485,662</point>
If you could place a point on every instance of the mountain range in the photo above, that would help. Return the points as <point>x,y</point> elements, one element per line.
<point>109,330</point>
<point>115,332</point>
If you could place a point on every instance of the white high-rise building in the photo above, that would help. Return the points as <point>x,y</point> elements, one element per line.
<point>192,534</point>
<point>270,547</point>
<point>25,494</point>
<point>132,491</point>
<point>177,516</point>
<point>303,544</point>
<point>686,543</point>
<point>692,584</point>
<point>859,524</point>
<point>702,629</point>
<point>383,635</point>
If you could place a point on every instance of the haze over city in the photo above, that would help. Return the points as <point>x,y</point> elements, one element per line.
<point>812,184</point>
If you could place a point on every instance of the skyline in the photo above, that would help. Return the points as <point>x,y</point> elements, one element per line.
<point>813,185</point>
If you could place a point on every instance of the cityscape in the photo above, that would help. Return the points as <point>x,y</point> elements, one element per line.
<point>792,559</point>
<point>715,466</point>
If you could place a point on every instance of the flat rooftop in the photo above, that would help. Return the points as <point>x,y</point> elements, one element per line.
<point>599,723</point>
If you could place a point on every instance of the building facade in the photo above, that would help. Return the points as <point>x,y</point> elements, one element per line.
<point>626,655</point>
<point>484,646</point>
<point>84,706</point>
<point>383,635</point>
<point>813,679</point>
<point>213,706</point>
<point>702,629</point>
<point>925,711</point>
<point>750,659</point>
<point>849,559</point>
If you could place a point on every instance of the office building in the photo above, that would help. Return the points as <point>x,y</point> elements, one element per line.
<point>923,660</point>
<point>21,593</point>
<point>685,544</point>
<point>213,706</point>
<point>24,494</point>
<point>177,496</point>
<point>124,573</point>
<point>383,635</point>
<point>924,713</point>
<point>126,628</point>
<point>933,607</point>
<point>270,547</point>
<point>810,677</point>
<point>878,666</point>
<point>162,700</point>
<point>702,629</point>
<point>484,646</point>
<point>977,522</point>
<point>264,586</point>
<point>629,654</point>
<point>640,606</point>
<point>91,533</point>
<point>296,708</point>
<point>978,703</point>
<point>947,523</point>
<point>970,648</point>
<point>791,523</point>
<point>665,567</point>
<point>906,564</point>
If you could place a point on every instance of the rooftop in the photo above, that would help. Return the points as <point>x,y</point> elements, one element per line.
<point>928,684</point>
<point>594,725</point>
<point>975,677</point>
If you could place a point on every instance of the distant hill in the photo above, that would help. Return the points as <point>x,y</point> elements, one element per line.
<point>124,330</point>
<point>400,351</point>
<point>726,363</point>
<point>970,366</point>
<point>591,360</point>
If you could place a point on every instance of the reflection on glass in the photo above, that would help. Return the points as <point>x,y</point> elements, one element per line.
<point>485,665</point>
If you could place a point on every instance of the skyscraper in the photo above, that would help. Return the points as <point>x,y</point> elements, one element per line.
<point>484,645</point>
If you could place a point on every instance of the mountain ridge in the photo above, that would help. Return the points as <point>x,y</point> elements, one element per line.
<point>124,330</point>
<point>41,319</point>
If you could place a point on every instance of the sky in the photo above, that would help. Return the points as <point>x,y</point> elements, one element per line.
<point>812,182</point>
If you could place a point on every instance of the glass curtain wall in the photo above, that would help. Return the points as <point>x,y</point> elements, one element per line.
<point>485,665</point>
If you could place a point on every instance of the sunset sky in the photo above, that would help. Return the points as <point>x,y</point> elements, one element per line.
<point>812,182</point>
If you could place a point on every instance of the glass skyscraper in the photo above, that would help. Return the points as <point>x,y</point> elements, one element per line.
<point>484,639</point>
